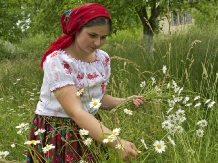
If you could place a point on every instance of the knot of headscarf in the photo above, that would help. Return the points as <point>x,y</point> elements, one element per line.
<point>72,21</point>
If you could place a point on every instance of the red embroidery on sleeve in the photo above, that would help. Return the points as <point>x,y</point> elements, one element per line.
<point>55,54</point>
<point>67,67</point>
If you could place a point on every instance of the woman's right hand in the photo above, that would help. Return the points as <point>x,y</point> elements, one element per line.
<point>129,152</point>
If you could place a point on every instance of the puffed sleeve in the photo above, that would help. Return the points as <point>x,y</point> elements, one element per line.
<point>58,71</point>
<point>105,58</point>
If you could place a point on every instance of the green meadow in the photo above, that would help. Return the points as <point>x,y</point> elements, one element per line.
<point>181,99</point>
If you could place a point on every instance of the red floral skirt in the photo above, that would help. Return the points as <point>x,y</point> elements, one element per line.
<point>63,135</point>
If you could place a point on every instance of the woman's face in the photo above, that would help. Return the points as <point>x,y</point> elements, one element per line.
<point>91,38</point>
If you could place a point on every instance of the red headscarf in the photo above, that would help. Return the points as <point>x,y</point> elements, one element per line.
<point>72,21</point>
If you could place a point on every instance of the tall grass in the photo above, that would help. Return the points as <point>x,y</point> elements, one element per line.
<point>191,66</point>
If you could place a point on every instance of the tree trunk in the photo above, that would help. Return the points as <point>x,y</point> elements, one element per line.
<point>149,25</point>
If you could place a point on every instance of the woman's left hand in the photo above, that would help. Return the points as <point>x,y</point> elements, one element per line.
<point>137,100</point>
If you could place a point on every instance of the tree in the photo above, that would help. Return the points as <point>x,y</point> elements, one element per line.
<point>10,14</point>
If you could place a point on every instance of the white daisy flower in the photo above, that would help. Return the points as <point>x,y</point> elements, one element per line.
<point>189,104</point>
<point>3,154</point>
<point>110,138</point>
<point>83,132</point>
<point>179,129</point>
<point>79,92</point>
<point>22,125</point>
<point>116,131</point>
<point>142,84</point>
<point>186,99</point>
<point>12,145</point>
<point>197,105</point>
<point>166,125</point>
<point>88,141</point>
<point>48,148</point>
<point>196,98</point>
<point>32,142</point>
<point>207,101</point>
<point>159,146</point>
<point>39,131</point>
<point>95,103</point>
<point>210,105</point>
<point>127,111</point>
<point>153,80</point>
<point>180,113</point>
<point>200,133</point>
<point>119,146</point>
<point>164,69</point>
<point>143,142</point>
<point>202,123</point>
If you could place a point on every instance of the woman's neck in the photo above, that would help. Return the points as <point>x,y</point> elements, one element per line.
<point>78,54</point>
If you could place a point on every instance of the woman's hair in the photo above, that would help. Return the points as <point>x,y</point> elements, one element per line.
<point>98,21</point>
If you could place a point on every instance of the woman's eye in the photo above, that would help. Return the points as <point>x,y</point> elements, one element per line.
<point>91,35</point>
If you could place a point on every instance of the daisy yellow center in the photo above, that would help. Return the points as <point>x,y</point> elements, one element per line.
<point>32,141</point>
<point>159,146</point>
<point>95,103</point>
<point>48,147</point>
<point>114,132</point>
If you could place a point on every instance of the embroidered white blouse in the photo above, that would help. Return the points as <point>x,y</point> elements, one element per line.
<point>60,69</point>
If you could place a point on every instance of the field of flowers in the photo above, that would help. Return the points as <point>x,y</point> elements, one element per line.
<point>178,122</point>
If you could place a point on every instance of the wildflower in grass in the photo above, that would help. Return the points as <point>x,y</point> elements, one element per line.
<point>3,154</point>
<point>166,125</point>
<point>168,85</point>
<point>82,161</point>
<point>207,101</point>
<point>143,142</point>
<point>88,141</point>
<point>171,117</point>
<point>83,132</point>
<point>95,103</point>
<point>22,127</point>
<point>164,69</point>
<point>191,151</point>
<point>196,98</point>
<point>39,131</point>
<point>179,129</point>
<point>189,104</point>
<point>119,146</point>
<point>32,142</point>
<point>142,84</point>
<point>197,105</point>
<point>159,146</point>
<point>127,111</point>
<point>110,138</point>
<point>116,131</point>
<point>171,103</point>
<point>180,90</point>
<point>79,92</point>
<point>200,133</point>
<point>202,123</point>
<point>153,80</point>
<point>186,99</point>
<point>48,148</point>
<point>171,140</point>
<point>177,99</point>
<point>210,105</point>
<point>12,145</point>
<point>180,113</point>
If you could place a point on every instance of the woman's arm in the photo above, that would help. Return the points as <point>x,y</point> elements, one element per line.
<point>74,108</point>
<point>109,102</point>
